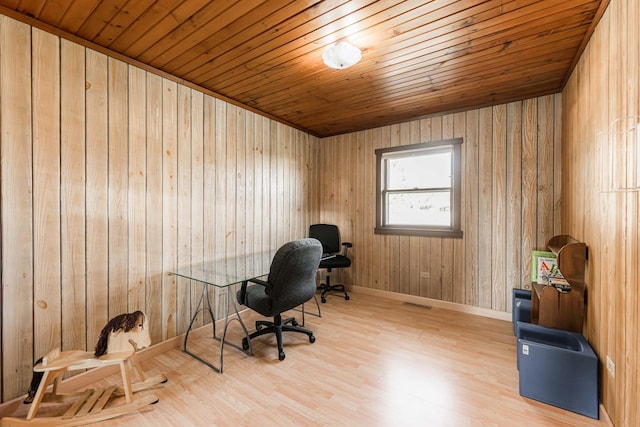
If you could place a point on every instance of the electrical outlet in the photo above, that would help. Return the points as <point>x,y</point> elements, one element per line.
<point>425,275</point>
<point>611,367</point>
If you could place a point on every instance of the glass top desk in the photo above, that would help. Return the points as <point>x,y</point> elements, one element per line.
<point>222,275</point>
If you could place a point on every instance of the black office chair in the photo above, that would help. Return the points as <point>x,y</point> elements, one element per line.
<point>329,236</point>
<point>291,282</point>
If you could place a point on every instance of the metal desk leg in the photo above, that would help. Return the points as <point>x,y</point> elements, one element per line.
<point>302,309</point>
<point>227,320</point>
<point>204,305</point>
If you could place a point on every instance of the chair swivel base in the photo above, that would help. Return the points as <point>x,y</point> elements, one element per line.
<point>264,327</point>
<point>325,289</point>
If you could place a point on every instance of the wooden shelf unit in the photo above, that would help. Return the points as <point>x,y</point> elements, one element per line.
<point>555,309</point>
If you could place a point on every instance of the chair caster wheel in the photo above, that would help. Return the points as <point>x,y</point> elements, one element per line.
<point>294,322</point>
<point>323,299</point>
<point>245,344</point>
<point>346,297</point>
<point>312,339</point>
<point>281,355</point>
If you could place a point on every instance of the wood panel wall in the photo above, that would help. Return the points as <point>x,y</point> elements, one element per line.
<point>510,203</point>
<point>111,177</point>
<point>603,88</point>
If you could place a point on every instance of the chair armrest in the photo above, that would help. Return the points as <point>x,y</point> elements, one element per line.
<point>259,281</point>
<point>243,289</point>
<point>346,247</point>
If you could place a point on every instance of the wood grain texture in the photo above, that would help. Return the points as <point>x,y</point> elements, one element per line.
<point>136,190</point>
<point>418,58</point>
<point>17,208</point>
<point>169,206</point>
<point>603,88</point>
<point>184,198</point>
<point>196,243</point>
<point>472,192</point>
<point>153,202</point>
<point>113,176</point>
<point>499,205</point>
<point>73,195</point>
<point>118,180</point>
<point>485,206</point>
<point>546,117</point>
<point>97,200</point>
<point>459,268</point>
<point>47,257</point>
<point>513,248</point>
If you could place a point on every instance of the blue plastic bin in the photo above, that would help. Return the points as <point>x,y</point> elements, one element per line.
<point>559,368</point>
<point>520,308</point>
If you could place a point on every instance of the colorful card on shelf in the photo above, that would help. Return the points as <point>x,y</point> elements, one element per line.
<point>542,262</point>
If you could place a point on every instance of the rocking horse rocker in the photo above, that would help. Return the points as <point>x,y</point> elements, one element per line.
<point>117,344</point>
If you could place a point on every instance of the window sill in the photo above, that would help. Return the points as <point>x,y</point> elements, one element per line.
<point>404,231</point>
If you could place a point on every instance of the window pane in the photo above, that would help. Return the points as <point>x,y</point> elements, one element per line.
<point>418,189</point>
<point>419,208</point>
<point>422,171</point>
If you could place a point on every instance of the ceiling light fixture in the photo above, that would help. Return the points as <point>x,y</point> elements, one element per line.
<point>341,55</point>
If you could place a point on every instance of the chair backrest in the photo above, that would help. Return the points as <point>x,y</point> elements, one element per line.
<point>329,236</point>
<point>292,275</point>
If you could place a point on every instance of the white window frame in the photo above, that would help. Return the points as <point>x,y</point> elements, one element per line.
<point>453,230</point>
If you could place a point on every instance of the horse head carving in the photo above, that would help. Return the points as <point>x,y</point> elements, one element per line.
<point>122,332</point>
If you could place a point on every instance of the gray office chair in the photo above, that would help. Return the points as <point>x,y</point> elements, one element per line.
<point>290,283</point>
<point>329,236</point>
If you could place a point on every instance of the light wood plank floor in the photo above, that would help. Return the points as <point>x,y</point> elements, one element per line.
<point>376,362</point>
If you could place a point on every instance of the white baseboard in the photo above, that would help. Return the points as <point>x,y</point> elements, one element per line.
<point>479,311</point>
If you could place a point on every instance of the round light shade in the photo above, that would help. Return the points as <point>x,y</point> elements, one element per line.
<point>341,55</point>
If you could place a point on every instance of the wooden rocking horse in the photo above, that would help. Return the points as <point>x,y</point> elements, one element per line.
<point>117,344</point>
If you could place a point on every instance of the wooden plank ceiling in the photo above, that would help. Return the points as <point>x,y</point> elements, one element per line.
<point>419,57</point>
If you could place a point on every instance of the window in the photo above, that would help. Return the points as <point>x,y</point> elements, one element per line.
<point>418,189</point>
